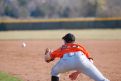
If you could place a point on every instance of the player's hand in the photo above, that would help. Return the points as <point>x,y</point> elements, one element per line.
<point>74,75</point>
<point>91,60</point>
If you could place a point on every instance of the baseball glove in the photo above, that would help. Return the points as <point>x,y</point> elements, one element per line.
<point>47,55</point>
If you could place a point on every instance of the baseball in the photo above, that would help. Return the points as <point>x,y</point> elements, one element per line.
<point>23,44</point>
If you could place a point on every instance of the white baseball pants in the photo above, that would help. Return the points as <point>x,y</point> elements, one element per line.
<point>77,61</point>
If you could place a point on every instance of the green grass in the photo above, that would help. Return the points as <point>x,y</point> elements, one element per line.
<point>7,77</point>
<point>57,34</point>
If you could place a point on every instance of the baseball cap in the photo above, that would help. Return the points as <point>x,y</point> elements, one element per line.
<point>69,38</point>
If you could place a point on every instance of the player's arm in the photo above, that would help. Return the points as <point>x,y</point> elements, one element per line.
<point>89,57</point>
<point>87,54</point>
<point>51,55</point>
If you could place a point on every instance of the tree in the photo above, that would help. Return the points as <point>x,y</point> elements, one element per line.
<point>9,11</point>
<point>101,6</point>
<point>23,2</point>
<point>1,7</point>
<point>37,12</point>
<point>65,12</point>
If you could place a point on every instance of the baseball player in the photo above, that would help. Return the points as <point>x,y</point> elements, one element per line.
<point>72,56</point>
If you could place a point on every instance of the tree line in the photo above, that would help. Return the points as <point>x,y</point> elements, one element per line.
<point>59,8</point>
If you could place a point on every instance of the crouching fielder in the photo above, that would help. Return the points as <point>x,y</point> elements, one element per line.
<point>72,57</point>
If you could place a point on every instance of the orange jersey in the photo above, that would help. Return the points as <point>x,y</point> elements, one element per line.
<point>67,48</point>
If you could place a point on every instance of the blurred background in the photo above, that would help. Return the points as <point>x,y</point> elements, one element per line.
<point>59,8</point>
<point>59,14</point>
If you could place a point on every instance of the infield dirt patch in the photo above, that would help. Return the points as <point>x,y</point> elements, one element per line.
<point>28,63</point>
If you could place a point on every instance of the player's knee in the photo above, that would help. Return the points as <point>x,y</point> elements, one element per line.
<point>54,72</point>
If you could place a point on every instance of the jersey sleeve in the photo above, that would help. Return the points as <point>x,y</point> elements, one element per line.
<point>85,51</point>
<point>56,54</point>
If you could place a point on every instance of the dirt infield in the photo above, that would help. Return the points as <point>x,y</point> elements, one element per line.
<point>28,63</point>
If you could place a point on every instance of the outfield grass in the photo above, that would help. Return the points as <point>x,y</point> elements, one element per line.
<point>7,77</point>
<point>57,34</point>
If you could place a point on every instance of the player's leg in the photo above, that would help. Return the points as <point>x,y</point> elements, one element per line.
<point>89,68</point>
<point>66,64</point>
